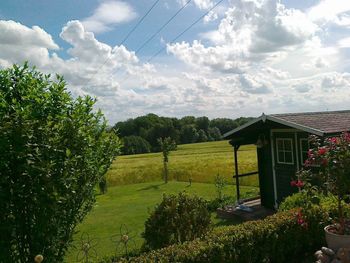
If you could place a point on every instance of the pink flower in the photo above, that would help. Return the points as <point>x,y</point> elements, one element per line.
<point>333,140</point>
<point>293,183</point>
<point>310,153</point>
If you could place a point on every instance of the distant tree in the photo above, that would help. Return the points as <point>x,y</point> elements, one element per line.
<point>54,151</point>
<point>223,124</point>
<point>202,136</point>
<point>202,123</point>
<point>135,145</point>
<point>188,120</point>
<point>214,134</point>
<point>188,134</point>
<point>166,145</point>
<point>126,128</point>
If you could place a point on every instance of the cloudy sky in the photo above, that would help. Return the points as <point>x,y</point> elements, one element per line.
<point>243,58</point>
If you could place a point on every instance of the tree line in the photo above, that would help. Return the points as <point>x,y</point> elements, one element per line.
<point>141,134</point>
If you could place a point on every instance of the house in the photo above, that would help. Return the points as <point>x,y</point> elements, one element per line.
<point>282,145</point>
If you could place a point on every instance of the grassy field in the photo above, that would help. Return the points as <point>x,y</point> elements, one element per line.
<point>200,161</point>
<point>130,205</point>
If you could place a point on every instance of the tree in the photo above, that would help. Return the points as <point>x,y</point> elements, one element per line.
<point>135,144</point>
<point>214,134</point>
<point>202,123</point>
<point>166,145</point>
<point>202,136</point>
<point>188,134</point>
<point>54,151</point>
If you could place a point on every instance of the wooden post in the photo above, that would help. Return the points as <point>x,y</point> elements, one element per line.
<point>236,172</point>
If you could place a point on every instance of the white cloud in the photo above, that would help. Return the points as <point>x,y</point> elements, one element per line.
<point>201,4</point>
<point>19,43</point>
<point>109,14</point>
<point>328,10</point>
<point>344,42</point>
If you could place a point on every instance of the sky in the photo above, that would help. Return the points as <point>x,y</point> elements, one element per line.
<point>243,58</point>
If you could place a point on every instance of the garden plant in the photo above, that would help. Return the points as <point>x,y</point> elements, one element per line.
<point>54,151</point>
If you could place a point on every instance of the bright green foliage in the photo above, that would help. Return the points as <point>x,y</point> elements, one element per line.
<point>278,238</point>
<point>220,183</point>
<point>176,219</point>
<point>54,150</point>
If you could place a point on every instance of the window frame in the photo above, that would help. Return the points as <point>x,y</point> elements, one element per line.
<point>284,151</point>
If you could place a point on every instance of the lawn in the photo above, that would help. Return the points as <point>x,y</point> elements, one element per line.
<point>130,205</point>
<point>200,161</point>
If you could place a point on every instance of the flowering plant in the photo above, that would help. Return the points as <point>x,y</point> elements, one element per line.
<point>332,155</point>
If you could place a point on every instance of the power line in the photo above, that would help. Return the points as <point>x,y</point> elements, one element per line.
<point>179,35</point>
<point>162,27</point>
<point>125,38</point>
<point>183,32</point>
<point>139,22</point>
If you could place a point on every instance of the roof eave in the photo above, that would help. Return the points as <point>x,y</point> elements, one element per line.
<point>264,117</point>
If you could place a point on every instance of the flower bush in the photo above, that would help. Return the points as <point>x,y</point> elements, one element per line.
<point>332,156</point>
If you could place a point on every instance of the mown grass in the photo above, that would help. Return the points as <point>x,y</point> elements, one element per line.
<point>200,161</point>
<point>130,205</point>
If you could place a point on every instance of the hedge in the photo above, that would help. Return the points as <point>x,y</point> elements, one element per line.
<point>278,238</point>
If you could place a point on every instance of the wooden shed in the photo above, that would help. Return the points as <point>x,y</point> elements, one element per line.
<point>282,144</point>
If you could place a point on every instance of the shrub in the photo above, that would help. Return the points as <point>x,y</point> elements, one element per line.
<point>135,144</point>
<point>278,238</point>
<point>54,151</point>
<point>220,202</point>
<point>176,219</point>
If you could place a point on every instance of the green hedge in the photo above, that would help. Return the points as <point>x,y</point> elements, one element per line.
<point>277,238</point>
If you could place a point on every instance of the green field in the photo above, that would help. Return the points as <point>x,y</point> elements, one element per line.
<point>130,205</point>
<point>135,187</point>
<point>200,161</point>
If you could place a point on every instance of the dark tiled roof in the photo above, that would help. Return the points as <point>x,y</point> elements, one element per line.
<point>326,122</point>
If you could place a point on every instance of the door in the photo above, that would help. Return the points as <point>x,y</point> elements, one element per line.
<point>286,159</point>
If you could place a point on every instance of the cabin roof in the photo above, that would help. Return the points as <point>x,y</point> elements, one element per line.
<point>318,123</point>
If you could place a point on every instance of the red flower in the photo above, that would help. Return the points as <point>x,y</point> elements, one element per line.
<point>322,151</point>
<point>299,183</point>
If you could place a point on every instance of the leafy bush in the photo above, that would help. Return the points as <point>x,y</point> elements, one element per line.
<point>220,202</point>
<point>278,238</point>
<point>328,203</point>
<point>54,151</point>
<point>176,219</point>
<point>135,144</point>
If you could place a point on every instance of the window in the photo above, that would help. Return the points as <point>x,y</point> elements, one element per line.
<point>284,151</point>
<point>304,148</point>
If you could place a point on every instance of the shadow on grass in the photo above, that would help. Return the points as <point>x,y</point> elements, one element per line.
<point>151,187</point>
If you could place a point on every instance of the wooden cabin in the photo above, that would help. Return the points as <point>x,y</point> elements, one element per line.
<point>282,145</point>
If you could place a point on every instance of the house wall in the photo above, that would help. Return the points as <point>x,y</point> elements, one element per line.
<point>265,176</point>
<point>284,173</point>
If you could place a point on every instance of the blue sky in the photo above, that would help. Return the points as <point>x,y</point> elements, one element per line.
<point>246,57</point>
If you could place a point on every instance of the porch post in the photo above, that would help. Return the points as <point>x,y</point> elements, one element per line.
<point>236,147</point>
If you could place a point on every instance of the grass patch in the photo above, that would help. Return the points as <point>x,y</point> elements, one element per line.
<point>130,205</point>
<point>199,161</point>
